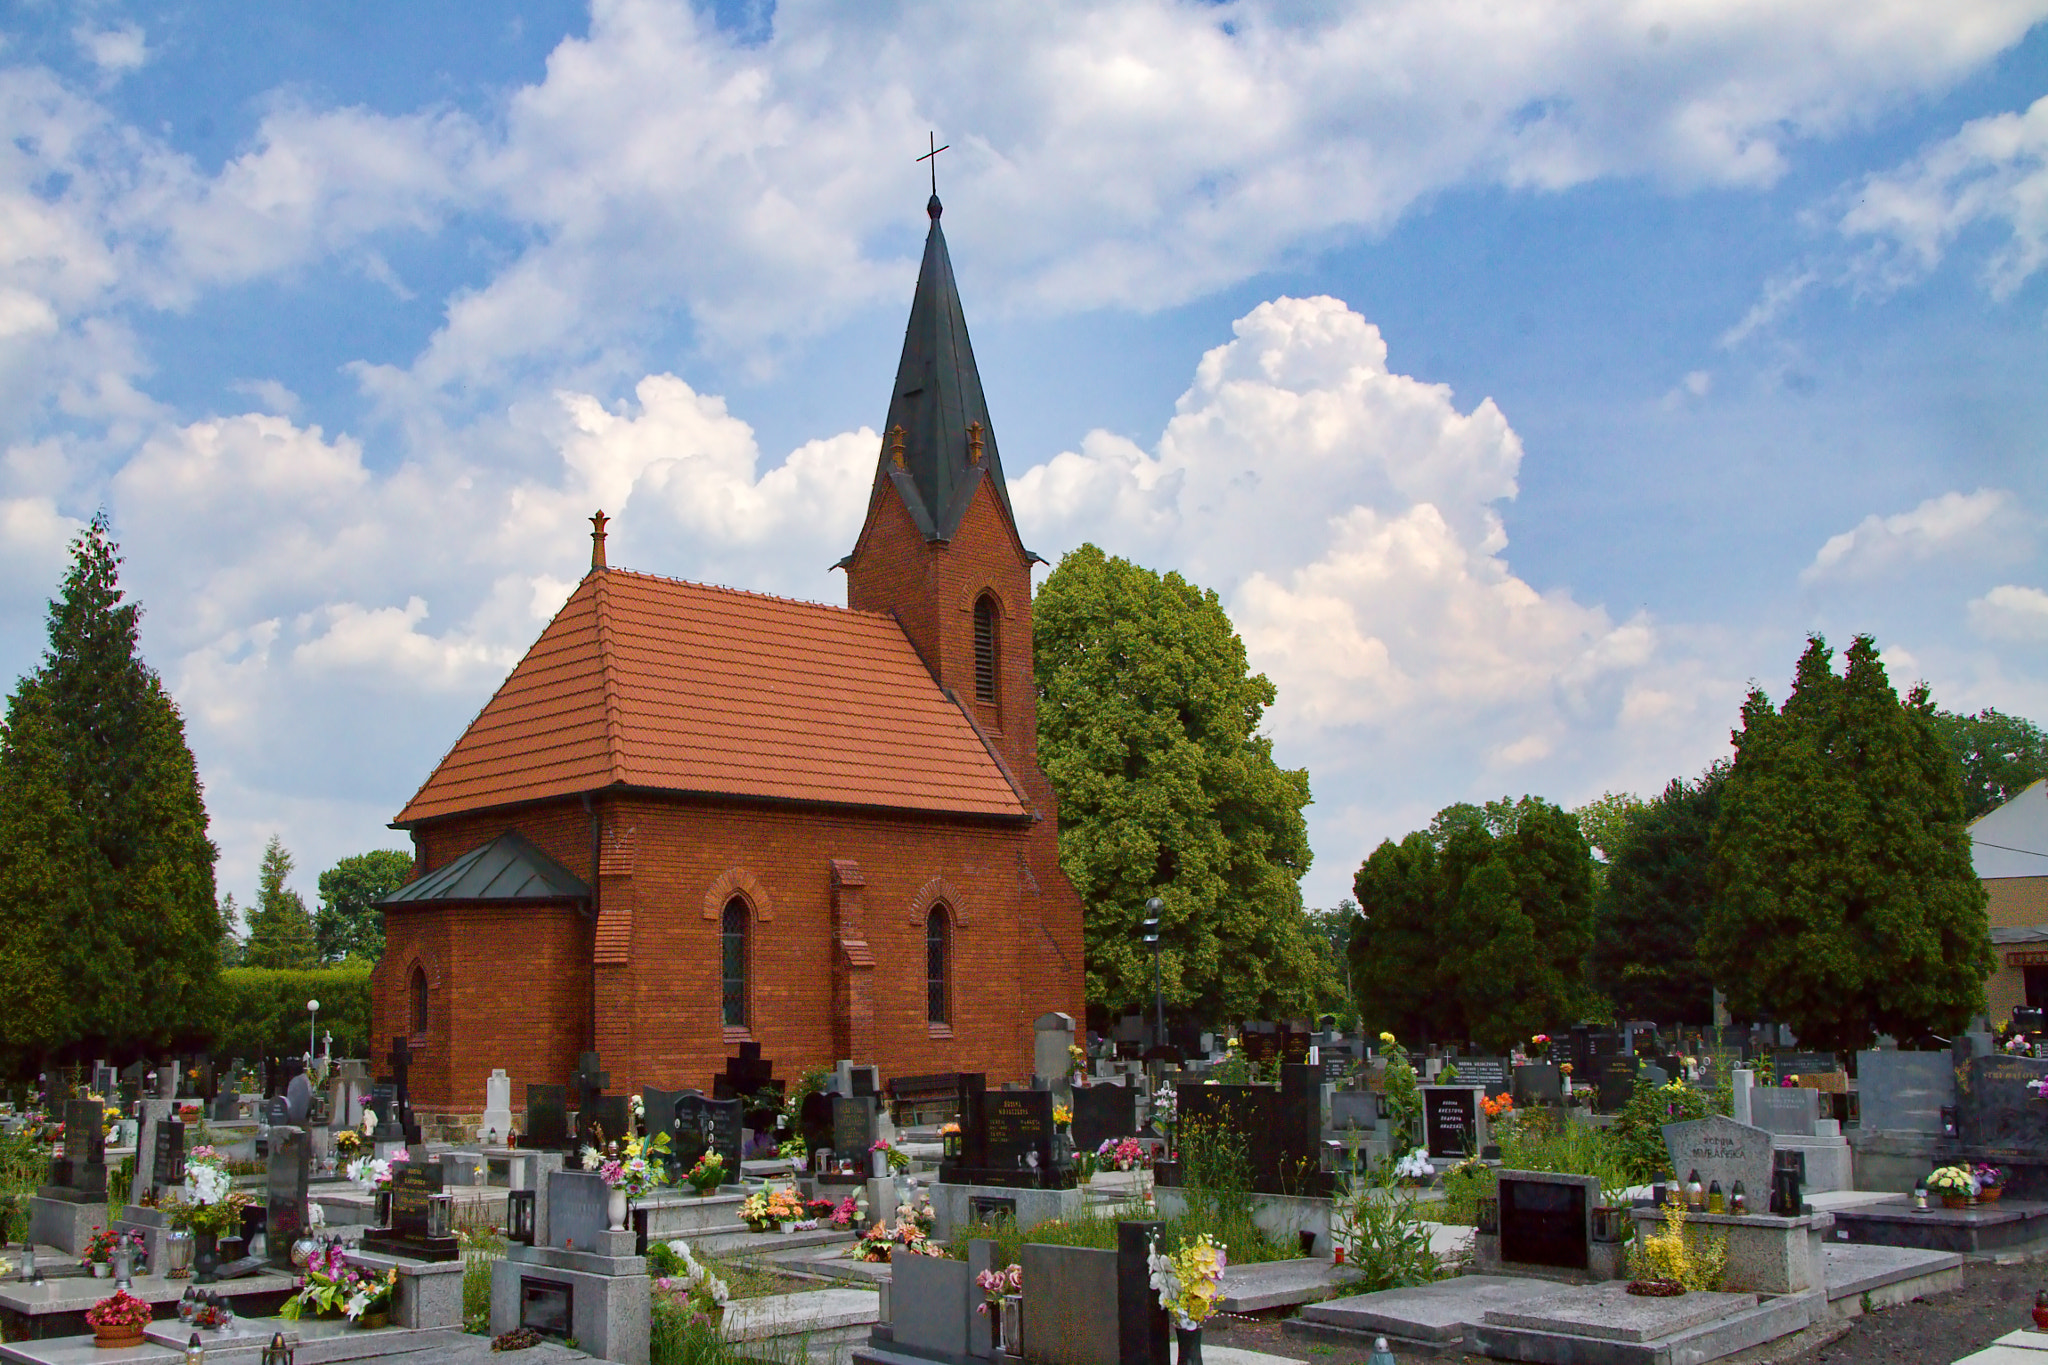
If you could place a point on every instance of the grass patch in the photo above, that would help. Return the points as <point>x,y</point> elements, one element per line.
<point>481,1248</point>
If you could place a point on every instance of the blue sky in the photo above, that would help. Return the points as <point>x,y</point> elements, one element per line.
<point>1528,382</point>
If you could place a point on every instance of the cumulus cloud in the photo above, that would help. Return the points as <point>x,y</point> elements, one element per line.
<point>1994,172</point>
<point>1986,523</point>
<point>2010,612</point>
<point>115,51</point>
<point>1349,516</point>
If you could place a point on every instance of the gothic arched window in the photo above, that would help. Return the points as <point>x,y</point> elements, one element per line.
<point>735,957</point>
<point>418,991</point>
<point>985,648</point>
<point>938,947</point>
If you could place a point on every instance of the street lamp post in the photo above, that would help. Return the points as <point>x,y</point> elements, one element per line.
<point>1153,907</point>
<point>312,1028</point>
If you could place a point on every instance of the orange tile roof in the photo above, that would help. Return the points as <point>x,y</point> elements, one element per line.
<point>652,682</point>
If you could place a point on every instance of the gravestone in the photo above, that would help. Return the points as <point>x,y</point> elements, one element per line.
<point>1905,1092</point>
<point>1998,1115</point>
<point>1545,1219</point>
<point>159,1152</point>
<point>1803,1064</point>
<point>1280,1127</point>
<point>414,1185</point>
<point>290,1166</point>
<point>1452,1121</point>
<point>1007,1140</point>
<point>600,1118</point>
<point>400,1058</point>
<point>1783,1110</point>
<point>577,1219</point>
<point>79,1176</point>
<point>1615,1080</point>
<point>497,1127</point>
<point>856,1078</point>
<point>1538,1083</point>
<point>547,1119</point>
<point>226,1106</point>
<point>1721,1149</point>
<point>1051,1035</point>
<point>1102,1112</point>
<point>699,1125</point>
<point>1354,1109</point>
<point>384,1104</point>
<point>1490,1073</point>
<point>745,1076</point>
<point>853,1128</point>
<point>814,1120</point>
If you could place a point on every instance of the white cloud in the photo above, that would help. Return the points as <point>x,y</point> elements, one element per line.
<point>1993,172</point>
<point>1780,293</point>
<point>1985,524</point>
<point>2010,612</point>
<point>1348,517</point>
<point>115,51</point>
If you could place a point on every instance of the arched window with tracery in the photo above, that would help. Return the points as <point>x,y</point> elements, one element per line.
<point>938,952</point>
<point>985,648</point>
<point>417,988</point>
<point>735,958</point>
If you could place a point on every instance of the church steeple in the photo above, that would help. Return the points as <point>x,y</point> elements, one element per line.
<point>938,444</point>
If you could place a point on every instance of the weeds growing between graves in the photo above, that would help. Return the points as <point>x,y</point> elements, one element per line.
<point>676,1336</point>
<point>481,1247</point>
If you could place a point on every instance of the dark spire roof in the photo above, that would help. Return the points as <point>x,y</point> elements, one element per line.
<point>938,443</point>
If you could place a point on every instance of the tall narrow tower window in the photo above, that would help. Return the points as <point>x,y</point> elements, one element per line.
<point>935,955</point>
<point>736,963</point>
<point>418,992</point>
<point>985,648</point>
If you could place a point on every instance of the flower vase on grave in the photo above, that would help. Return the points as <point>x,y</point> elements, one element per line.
<point>1190,1341</point>
<point>615,1210</point>
<point>1010,1316</point>
<point>205,1255</point>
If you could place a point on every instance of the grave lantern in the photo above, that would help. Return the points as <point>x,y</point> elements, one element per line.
<point>278,1352</point>
<point>951,1145</point>
<point>519,1215</point>
<point>195,1351</point>
<point>440,1215</point>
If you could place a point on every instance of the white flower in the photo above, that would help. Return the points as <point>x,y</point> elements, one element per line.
<point>592,1158</point>
<point>369,1120</point>
<point>357,1302</point>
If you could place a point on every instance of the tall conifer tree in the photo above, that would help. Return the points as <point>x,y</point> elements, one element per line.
<point>106,874</point>
<point>280,927</point>
<point>1845,904</point>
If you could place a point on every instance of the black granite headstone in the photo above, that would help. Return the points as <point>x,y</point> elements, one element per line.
<point>1450,1122</point>
<point>285,1192</point>
<point>79,1176</point>
<point>168,1165</point>
<point>1998,1118</point>
<point>1491,1072</point>
<point>1616,1080</point>
<point>711,1125</point>
<point>413,1187</point>
<point>547,1119</point>
<point>1102,1112</point>
<point>1542,1223</point>
<point>853,1127</point>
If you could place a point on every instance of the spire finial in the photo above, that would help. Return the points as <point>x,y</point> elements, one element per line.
<point>932,206</point>
<point>597,521</point>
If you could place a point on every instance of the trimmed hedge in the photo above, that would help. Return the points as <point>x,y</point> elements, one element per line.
<point>263,1009</point>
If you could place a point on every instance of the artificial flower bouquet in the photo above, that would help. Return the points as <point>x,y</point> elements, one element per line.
<point>348,1144</point>
<point>1122,1154</point>
<point>332,1286</point>
<point>369,1172</point>
<point>1062,1115</point>
<point>848,1212</point>
<point>880,1242</point>
<point>707,1175</point>
<point>1415,1166</point>
<point>1956,1182</point>
<point>1539,1047</point>
<point>636,1172</point>
<point>100,1247</point>
<point>209,1201</point>
<point>997,1285</point>
<point>767,1209</point>
<point>1989,1177</point>
<point>120,1309</point>
<point>1188,1280</point>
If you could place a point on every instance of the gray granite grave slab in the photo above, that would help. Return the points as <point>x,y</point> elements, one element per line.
<point>1070,1313</point>
<point>1787,1111</point>
<point>1904,1091</point>
<point>1280,1284</point>
<point>1721,1149</point>
<point>1608,1312</point>
<point>1440,1312</point>
<point>932,1303</point>
<point>1853,1271</point>
<point>576,1209</point>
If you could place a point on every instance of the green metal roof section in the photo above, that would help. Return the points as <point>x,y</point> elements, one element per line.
<point>508,868</point>
<point>936,400</point>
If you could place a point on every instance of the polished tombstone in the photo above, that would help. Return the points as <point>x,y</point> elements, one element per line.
<point>581,1282</point>
<point>1103,1112</point>
<point>1545,1222</point>
<point>290,1169</point>
<point>1453,1120</point>
<point>547,1119</point>
<point>416,1230</point>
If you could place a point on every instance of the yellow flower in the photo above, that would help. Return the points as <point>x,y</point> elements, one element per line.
<point>1387,1038</point>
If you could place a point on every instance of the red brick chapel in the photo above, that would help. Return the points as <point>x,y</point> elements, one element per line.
<point>694,817</point>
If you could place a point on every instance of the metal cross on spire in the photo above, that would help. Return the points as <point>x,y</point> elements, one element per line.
<point>933,157</point>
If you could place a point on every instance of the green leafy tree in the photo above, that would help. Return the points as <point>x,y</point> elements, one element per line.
<point>230,932</point>
<point>1331,932</point>
<point>109,937</point>
<point>1605,822</point>
<point>1652,907</point>
<point>1148,729</point>
<point>1476,928</point>
<point>280,929</point>
<point>2000,755</point>
<point>1844,901</point>
<point>349,924</point>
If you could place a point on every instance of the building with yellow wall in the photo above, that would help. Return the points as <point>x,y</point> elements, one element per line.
<point>2010,848</point>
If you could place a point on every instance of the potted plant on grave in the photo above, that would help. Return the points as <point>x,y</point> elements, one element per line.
<point>334,1288</point>
<point>892,1159</point>
<point>1187,1283</point>
<point>1957,1186</point>
<point>99,1249</point>
<point>118,1320</point>
<point>348,1144</point>
<point>707,1175</point>
<point>766,1210</point>
<point>1990,1182</point>
<point>210,1207</point>
<point>1539,1047</point>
